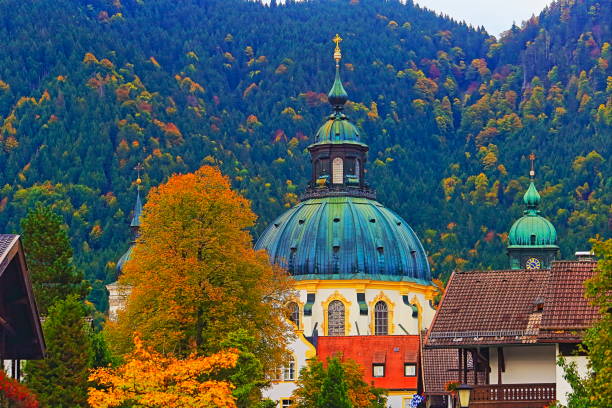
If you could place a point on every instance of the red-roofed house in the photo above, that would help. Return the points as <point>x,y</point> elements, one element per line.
<point>514,324</point>
<point>389,362</point>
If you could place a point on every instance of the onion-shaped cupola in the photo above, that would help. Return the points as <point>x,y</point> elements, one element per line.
<point>338,230</point>
<point>532,238</point>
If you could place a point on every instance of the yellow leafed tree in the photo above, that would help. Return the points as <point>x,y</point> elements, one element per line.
<point>195,277</point>
<point>148,379</point>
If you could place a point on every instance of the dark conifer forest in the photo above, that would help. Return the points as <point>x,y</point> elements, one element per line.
<point>88,89</point>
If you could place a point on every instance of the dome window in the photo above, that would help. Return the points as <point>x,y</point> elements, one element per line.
<point>337,170</point>
<point>301,222</point>
<point>533,239</point>
<point>336,219</point>
<point>381,319</point>
<point>335,317</point>
<point>293,312</point>
<point>372,220</point>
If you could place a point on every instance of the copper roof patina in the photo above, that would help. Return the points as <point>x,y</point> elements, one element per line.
<point>532,230</point>
<point>345,238</point>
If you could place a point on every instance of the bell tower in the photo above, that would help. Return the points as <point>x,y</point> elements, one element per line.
<point>532,238</point>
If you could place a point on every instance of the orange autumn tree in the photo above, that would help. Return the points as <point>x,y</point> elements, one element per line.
<point>148,379</point>
<point>195,277</point>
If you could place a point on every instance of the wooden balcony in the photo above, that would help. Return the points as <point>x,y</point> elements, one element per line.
<point>513,396</point>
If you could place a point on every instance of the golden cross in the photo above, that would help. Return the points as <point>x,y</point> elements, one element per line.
<point>337,39</point>
<point>532,157</point>
<point>139,167</point>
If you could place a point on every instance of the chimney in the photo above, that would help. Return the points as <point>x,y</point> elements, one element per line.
<point>585,256</point>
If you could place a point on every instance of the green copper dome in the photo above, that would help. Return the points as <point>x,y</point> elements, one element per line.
<point>345,238</point>
<point>337,129</point>
<point>532,229</point>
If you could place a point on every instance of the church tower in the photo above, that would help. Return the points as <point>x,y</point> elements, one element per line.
<point>118,293</point>
<point>532,238</point>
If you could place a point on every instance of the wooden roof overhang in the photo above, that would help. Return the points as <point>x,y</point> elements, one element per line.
<point>21,336</point>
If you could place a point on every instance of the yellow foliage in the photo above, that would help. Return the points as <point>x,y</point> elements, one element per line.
<point>148,379</point>
<point>194,267</point>
<point>90,58</point>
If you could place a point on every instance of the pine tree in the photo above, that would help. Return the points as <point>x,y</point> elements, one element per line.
<point>60,380</point>
<point>49,256</point>
<point>334,390</point>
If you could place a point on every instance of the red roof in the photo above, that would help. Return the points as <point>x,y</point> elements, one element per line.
<point>489,307</point>
<point>514,307</point>
<point>392,351</point>
<point>567,313</point>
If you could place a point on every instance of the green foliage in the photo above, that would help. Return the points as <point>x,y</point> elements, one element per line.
<point>340,384</point>
<point>449,112</point>
<point>248,375</point>
<point>334,389</point>
<point>60,380</point>
<point>49,257</point>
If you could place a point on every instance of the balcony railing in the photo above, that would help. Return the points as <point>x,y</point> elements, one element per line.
<point>340,190</point>
<point>513,395</point>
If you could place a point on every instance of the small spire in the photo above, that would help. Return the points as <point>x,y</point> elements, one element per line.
<point>138,206</point>
<point>337,96</point>
<point>532,197</point>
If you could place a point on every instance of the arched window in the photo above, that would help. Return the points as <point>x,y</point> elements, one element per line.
<point>337,171</point>
<point>293,311</point>
<point>289,370</point>
<point>335,318</point>
<point>381,319</point>
<point>357,169</point>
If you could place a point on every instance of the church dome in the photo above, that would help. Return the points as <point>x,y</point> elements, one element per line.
<point>345,238</point>
<point>532,229</point>
<point>337,129</point>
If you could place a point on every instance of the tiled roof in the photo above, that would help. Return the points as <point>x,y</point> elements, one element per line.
<point>440,367</point>
<point>489,307</point>
<point>368,350</point>
<point>567,313</point>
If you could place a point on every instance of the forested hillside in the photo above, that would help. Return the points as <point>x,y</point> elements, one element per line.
<point>89,89</point>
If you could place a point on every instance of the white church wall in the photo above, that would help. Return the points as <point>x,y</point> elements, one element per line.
<point>302,350</point>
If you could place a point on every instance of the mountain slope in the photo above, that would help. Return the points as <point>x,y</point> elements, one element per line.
<point>450,114</point>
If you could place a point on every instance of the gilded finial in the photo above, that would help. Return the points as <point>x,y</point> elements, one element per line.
<point>337,54</point>
<point>139,167</point>
<point>532,157</point>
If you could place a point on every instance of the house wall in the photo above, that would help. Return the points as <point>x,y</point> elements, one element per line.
<point>563,388</point>
<point>525,364</point>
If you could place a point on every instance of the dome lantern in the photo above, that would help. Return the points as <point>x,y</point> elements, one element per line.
<point>338,231</point>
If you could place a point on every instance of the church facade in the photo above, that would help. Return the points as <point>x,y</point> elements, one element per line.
<point>359,270</point>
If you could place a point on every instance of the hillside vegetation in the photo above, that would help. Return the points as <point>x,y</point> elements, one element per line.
<point>90,89</point>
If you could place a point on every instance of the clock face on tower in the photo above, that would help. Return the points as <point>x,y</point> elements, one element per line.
<point>533,263</point>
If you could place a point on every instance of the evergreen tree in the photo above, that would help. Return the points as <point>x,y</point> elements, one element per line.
<point>60,380</point>
<point>248,374</point>
<point>339,385</point>
<point>49,256</point>
<point>334,390</point>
